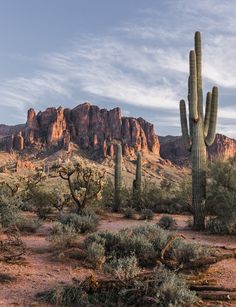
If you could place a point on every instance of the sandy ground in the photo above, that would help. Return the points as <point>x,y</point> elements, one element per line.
<point>41,271</point>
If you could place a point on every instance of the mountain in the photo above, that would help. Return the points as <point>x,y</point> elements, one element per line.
<point>172,148</point>
<point>93,129</point>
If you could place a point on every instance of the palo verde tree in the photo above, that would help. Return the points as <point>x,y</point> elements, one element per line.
<point>85,182</point>
<point>200,133</point>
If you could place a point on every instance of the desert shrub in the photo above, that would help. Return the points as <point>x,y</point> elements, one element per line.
<point>216,225</point>
<point>129,213</point>
<point>166,198</point>
<point>221,200</point>
<point>42,199</point>
<point>165,288</point>
<point>63,236</point>
<point>146,243</point>
<point>146,214</point>
<point>81,223</point>
<point>67,295</point>
<point>171,290</point>
<point>185,252</point>
<point>124,268</point>
<point>28,224</point>
<point>167,222</point>
<point>108,193</point>
<point>96,255</point>
<point>9,215</point>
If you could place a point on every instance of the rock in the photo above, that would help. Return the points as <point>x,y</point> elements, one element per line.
<point>18,141</point>
<point>91,128</point>
<point>172,148</point>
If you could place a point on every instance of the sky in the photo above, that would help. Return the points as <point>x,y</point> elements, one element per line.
<point>127,53</point>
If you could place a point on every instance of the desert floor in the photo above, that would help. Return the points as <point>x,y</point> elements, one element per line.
<point>41,270</point>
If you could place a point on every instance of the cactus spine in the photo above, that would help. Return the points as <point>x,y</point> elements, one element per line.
<point>202,131</point>
<point>137,183</point>
<point>118,178</point>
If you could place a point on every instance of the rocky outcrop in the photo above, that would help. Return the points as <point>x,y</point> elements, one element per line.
<point>88,126</point>
<point>172,148</point>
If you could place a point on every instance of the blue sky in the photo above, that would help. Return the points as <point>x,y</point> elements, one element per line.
<point>127,53</point>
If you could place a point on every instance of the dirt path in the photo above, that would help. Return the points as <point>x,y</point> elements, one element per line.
<point>41,271</point>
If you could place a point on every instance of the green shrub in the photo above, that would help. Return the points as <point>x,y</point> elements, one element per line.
<point>28,224</point>
<point>219,226</point>
<point>221,197</point>
<point>167,222</point>
<point>146,214</point>
<point>129,213</point>
<point>81,223</point>
<point>165,288</point>
<point>9,214</point>
<point>63,236</point>
<point>124,268</point>
<point>67,295</point>
<point>185,252</point>
<point>146,242</point>
<point>96,255</point>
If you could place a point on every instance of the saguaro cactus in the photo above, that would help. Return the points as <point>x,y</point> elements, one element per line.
<point>137,183</point>
<point>118,178</point>
<point>201,131</point>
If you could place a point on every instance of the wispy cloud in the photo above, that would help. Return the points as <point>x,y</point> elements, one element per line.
<point>142,64</point>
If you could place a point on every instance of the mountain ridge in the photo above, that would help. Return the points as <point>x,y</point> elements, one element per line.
<point>97,130</point>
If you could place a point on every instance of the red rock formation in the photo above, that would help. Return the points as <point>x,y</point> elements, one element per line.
<point>18,141</point>
<point>91,129</point>
<point>172,148</point>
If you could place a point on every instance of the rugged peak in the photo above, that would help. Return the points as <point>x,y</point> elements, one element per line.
<point>91,128</point>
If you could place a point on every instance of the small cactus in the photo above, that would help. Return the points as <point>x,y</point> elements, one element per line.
<point>118,178</point>
<point>137,183</point>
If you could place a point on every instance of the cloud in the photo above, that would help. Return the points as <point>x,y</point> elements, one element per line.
<point>142,64</point>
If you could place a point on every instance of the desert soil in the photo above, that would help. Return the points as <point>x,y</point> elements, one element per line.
<point>41,271</point>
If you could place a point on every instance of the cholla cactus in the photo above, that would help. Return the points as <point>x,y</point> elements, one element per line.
<point>85,182</point>
<point>201,131</point>
<point>118,178</point>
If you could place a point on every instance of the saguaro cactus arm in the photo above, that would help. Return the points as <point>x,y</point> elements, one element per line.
<point>184,125</point>
<point>193,109</point>
<point>207,113</point>
<point>198,51</point>
<point>213,118</point>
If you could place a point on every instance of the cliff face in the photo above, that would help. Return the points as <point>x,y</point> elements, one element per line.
<point>172,148</point>
<point>89,127</point>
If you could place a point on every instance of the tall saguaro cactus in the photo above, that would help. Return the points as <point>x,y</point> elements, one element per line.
<point>200,132</point>
<point>137,184</point>
<point>118,178</point>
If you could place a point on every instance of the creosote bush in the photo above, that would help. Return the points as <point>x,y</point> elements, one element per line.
<point>123,268</point>
<point>146,214</point>
<point>165,288</point>
<point>87,222</point>
<point>96,255</point>
<point>146,243</point>
<point>63,236</point>
<point>221,198</point>
<point>129,213</point>
<point>167,222</point>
